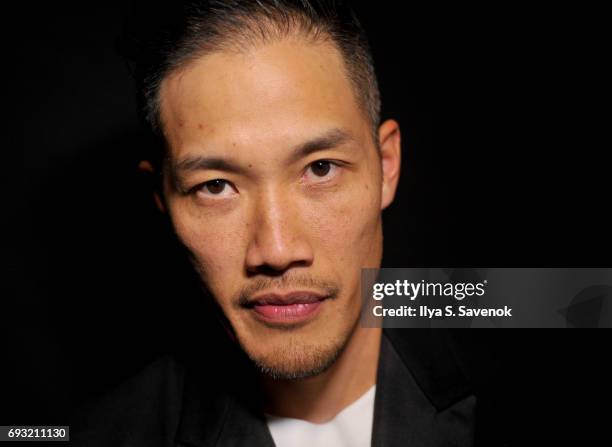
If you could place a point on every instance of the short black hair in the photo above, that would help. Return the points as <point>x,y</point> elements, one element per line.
<point>157,40</point>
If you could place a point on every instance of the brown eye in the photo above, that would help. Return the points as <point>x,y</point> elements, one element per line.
<point>216,189</point>
<point>320,168</point>
<point>215,186</point>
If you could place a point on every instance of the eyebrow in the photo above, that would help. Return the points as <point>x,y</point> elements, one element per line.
<point>330,139</point>
<point>200,163</point>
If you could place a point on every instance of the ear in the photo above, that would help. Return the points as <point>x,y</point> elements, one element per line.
<point>391,160</point>
<point>147,168</point>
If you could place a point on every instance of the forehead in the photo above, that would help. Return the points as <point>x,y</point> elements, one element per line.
<point>274,94</point>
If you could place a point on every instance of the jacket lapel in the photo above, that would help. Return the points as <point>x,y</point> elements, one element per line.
<point>222,410</point>
<point>422,398</point>
<point>203,412</point>
<point>245,426</point>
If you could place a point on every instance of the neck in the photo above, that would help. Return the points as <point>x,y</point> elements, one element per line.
<point>320,398</point>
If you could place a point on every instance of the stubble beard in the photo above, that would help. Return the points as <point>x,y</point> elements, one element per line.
<point>297,358</point>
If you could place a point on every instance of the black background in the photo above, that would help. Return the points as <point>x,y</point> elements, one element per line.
<point>505,165</point>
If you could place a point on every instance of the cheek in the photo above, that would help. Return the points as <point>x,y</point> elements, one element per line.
<point>347,224</point>
<point>214,241</point>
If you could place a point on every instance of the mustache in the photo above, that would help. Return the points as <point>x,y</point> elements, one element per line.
<point>286,283</point>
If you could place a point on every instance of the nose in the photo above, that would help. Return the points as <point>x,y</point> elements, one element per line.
<point>278,240</point>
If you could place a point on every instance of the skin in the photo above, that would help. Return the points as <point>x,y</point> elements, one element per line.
<point>274,223</point>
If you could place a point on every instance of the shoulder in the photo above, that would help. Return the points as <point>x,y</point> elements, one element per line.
<point>143,410</point>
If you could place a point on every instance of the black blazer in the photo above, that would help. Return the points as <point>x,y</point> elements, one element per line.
<point>424,397</point>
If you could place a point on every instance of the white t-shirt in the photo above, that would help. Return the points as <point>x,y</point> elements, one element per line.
<point>352,427</point>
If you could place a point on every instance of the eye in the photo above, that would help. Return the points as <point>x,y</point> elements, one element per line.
<point>321,169</point>
<point>216,188</point>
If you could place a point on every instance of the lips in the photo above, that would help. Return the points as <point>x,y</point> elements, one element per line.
<point>294,307</point>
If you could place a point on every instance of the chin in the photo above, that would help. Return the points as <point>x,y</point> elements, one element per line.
<point>295,357</point>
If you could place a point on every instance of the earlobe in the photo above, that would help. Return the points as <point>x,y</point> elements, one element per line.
<point>147,168</point>
<point>390,157</point>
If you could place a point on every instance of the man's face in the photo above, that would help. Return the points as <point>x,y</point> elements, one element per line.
<point>275,187</point>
